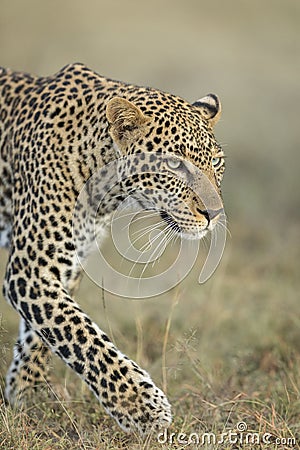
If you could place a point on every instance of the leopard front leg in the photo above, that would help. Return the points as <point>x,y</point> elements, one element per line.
<point>125,390</point>
<point>29,365</point>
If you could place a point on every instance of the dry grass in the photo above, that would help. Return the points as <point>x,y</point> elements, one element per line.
<point>226,352</point>
<point>259,388</point>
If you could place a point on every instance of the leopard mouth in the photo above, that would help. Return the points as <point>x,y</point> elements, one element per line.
<point>173,224</point>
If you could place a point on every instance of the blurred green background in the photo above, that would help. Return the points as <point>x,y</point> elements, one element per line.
<point>248,52</point>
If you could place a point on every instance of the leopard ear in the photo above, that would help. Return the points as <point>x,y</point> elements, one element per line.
<point>210,108</point>
<point>124,117</point>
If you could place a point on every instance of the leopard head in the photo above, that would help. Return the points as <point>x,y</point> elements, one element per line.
<point>176,164</point>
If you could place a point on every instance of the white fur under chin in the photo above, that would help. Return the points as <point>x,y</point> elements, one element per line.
<point>198,234</point>
<point>194,236</point>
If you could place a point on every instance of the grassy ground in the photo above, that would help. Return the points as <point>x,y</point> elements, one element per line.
<point>227,351</point>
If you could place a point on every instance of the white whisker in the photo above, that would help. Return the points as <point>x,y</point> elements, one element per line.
<point>141,255</point>
<point>168,238</point>
<point>146,230</point>
<point>155,251</point>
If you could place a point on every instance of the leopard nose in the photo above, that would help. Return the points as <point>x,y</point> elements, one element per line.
<point>210,214</point>
<point>213,213</point>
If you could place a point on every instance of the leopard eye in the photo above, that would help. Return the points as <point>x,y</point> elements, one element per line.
<point>216,161</point>
<point>174,163</point>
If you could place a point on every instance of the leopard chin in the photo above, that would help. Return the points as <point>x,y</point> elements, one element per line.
<point>194,235</point>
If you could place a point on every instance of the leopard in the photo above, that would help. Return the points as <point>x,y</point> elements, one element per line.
<point>56,133</point>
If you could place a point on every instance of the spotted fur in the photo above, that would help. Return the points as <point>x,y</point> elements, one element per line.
<point>55,133</point>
